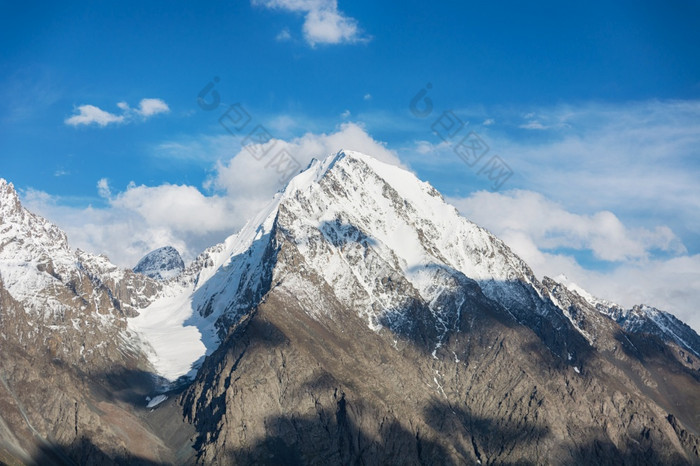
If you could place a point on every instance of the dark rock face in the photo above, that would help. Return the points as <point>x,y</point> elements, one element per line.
<point>162,264</point>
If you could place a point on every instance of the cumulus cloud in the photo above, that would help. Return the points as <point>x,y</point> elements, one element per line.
<point>92,115</point>
<point>150,107</point>
<point>252,181</point>
<point>550,226</point>
<point>103,188</point>
<point>89,115</point>
<point>324,23</point>
<point>140,219</point>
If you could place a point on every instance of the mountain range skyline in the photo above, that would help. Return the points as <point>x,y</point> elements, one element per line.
<point>357,317</point>
<point>591,110</point>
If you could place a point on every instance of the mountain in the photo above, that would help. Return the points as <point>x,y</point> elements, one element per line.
<point>651,321</point>
<point>162,264</point>
<point>644,320</point>
<point>360,319</point>
<point>70,370</point>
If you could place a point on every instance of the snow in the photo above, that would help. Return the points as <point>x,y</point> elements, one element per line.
<point>588,297</point>
<point>155,401</point>
<point>635,319</point>
<point>174,346</point>
<point>380,219</point>
<point>176,334</point>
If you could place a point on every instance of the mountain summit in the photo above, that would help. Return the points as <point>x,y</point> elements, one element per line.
<point>161,264</point>
<point>360,319</point>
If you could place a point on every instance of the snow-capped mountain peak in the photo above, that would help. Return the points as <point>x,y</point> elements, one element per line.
<point>9,201</point>
<point>354,224</point>
<point>161,264</point>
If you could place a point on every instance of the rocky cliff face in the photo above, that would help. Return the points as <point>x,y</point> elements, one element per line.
<point>360,319</point>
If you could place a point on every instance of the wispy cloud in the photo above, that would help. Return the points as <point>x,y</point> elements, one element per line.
<point>534,124</point>
<point>637,159</point>
<point>284,35</point>
<point>92,115</point>
<point>324,23</point>
<point>28,91</point>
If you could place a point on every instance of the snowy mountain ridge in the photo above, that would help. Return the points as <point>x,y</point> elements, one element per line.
<point>70,296</point>
<point>641,318</point>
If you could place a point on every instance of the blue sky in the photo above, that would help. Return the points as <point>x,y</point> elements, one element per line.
<point>594,108</point>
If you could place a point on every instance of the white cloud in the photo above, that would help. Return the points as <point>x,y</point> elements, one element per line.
<point>141,219</point>
<point>150,107</point>
<point>424,147</point>
<point>324,23</point>
<point>639,159</point>
<point>179,208</point>
<point>103,188</point>
<point>550,226</point>
<point>367,96</point>
<point>89,114</point>
<point>488,122</point>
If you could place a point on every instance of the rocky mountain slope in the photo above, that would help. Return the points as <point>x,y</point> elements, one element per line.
<point>360,319</point>
<point>71,371</point>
